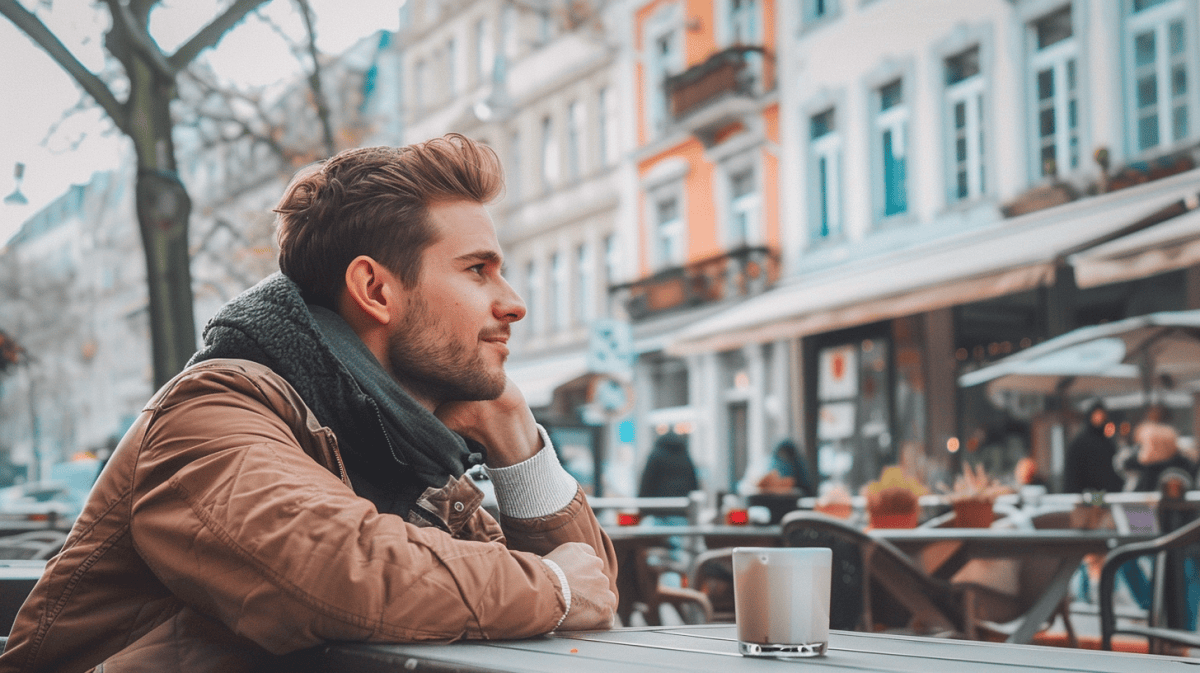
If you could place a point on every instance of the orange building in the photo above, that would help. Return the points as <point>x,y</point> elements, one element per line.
<point>708,222</point>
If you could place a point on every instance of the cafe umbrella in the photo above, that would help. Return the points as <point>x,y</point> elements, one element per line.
<point>1147,353</point>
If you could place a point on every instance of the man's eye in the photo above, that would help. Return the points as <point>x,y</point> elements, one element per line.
<point>478,269</point>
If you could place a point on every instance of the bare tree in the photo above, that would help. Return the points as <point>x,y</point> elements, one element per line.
<point>163,203</point>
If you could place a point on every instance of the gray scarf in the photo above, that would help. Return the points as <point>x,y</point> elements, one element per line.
<point>392,447</point>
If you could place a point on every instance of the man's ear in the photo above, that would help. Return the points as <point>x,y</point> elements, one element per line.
<point>369,290</point>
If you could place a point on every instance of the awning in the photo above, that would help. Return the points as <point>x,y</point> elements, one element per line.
<point>1174,244</point>
<point>1007,256</point>
<point>537,379</point>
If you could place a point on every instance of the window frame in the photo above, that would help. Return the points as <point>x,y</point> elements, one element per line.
<point>1159,20</point>
<point>971,93</point>
<point>1056,58</point>
<point>551,171</point>
<point>576,133</point>
<point>676,228</point>
<point>825,204</point>
<point>745,162</point>
<point>667,21</point>
<point>895,120</point>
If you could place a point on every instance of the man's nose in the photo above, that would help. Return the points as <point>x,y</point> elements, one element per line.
<point>510,307</point>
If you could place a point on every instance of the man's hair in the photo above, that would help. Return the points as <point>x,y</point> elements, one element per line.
<point>375,201</point>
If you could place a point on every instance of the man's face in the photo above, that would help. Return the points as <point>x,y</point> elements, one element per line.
<point>450,335</point>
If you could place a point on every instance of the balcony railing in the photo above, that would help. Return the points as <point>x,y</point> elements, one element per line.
<point>742,272</point>
<point>738,72</point>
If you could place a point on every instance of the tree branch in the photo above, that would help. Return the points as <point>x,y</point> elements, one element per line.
<point>314,79</point>
<point>211,34</point>
<point>32,26</point>
<point>139,39</point>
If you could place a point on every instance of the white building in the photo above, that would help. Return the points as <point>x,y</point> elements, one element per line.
<point>545,85</point>
<point>73,296</point>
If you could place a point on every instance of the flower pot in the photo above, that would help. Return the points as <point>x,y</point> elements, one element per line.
<point>973,513</point>
<point>894,519</point>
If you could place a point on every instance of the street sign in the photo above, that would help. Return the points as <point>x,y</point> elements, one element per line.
<point>610,347</point>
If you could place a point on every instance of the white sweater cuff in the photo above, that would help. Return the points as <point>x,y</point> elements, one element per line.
<point>566,589</point>
<point>535,487</point>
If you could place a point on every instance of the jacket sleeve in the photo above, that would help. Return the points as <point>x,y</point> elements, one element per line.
<point>238,521</point>
<point>542,506</point>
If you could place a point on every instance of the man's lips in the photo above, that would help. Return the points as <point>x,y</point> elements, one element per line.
<point>498,338</point>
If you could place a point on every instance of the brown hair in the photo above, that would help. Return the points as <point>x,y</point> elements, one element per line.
<point>375,201</point>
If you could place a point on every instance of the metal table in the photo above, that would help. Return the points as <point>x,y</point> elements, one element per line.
<point>952,548</point>
<point>712,647</point>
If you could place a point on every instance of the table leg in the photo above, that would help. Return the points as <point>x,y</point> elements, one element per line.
<point>1048,602</point>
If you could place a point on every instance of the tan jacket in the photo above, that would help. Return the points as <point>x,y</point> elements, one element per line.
<point>224,528</point>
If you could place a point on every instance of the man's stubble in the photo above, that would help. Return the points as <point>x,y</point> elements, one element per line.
<point>430,361</point>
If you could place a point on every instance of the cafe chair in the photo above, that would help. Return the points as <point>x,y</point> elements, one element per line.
<point>877,587</point>
<point>691,605</point>
<point>38,545</point>
<point>712,575</point>
<point>1164,624</point>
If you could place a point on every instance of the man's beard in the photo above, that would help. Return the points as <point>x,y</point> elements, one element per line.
<point>432,363</point>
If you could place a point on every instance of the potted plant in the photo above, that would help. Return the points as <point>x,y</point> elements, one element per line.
<point>894,500</point>
<point>974,496</point>
<point>835,502</point>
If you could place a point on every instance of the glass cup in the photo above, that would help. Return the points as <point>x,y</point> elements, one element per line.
<point>781,599</point>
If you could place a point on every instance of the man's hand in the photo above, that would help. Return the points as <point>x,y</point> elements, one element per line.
<point>504,425</point>
<point>593,604</point>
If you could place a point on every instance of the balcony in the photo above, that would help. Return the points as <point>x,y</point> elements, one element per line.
<point>742,272</point>
<point>722,90</point>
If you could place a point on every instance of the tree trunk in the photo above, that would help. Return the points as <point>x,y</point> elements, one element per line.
<point>163,207</point>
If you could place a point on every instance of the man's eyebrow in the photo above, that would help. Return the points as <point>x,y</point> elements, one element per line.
<point>480,256</point>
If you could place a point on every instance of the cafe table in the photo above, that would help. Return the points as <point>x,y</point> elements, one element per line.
<point>954,547</point>
<point>713,647</point>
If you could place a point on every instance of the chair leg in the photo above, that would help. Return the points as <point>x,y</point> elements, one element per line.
<point>969,615</point>
<point>1064,609</point>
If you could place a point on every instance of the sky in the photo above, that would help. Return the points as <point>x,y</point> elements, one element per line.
<point>59,150</point>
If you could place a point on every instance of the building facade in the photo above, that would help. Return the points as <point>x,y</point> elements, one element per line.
<point>960,180</point>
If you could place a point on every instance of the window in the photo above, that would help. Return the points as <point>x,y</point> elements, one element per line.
<point>452,66</point>
<point>560,294</point>
<point>668,232</point>
<point>420,77</point>
<point>825,166</point>
<point>663,58</point>
<point>743,208</point>
<point>815,10</point>
<point>891,124</point>
<point>485,56</point>
<point>1157,40</point>
<point>743,23</point>
<point>585,289</point>
<point>513,185</point>
<point>964,98</point>
<point>669,381</point>
<point>1055,94</point>
<point>612,265</point>
<point>533,297</point>
<point>549,154</point>
<point>576,123</point>
<point>545,27</point>
<point>606,127</point>
<point>508,32</point>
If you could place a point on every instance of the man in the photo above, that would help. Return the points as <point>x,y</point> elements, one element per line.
<point>302,481</point>
<point>1088,465</point>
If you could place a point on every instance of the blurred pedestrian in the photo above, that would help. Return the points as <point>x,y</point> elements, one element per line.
<point>788,472</point>
<point>669,473</point>
<point>1089,459</point>
<point>1156,453</point>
